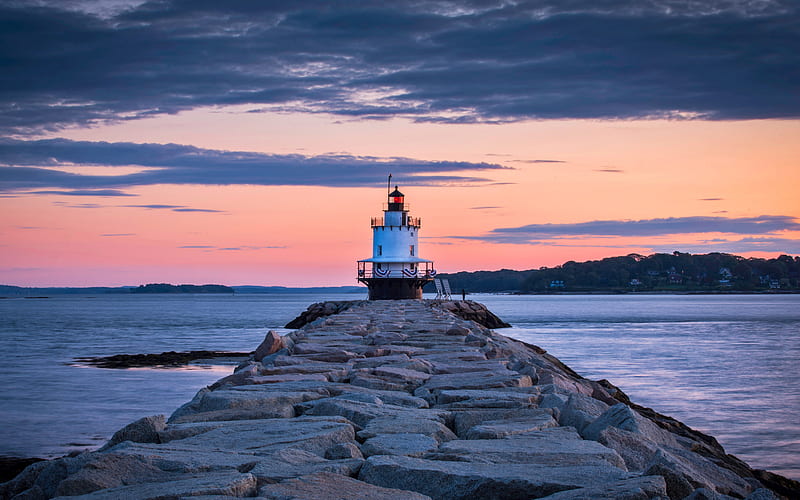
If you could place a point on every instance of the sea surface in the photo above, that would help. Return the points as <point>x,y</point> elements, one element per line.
<point>726,365</point>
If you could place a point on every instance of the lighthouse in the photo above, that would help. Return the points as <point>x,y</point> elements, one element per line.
<point>395,270</point>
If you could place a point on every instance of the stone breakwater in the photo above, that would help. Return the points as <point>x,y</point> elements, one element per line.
<point>402,400</point>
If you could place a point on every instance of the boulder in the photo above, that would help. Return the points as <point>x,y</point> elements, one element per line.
<point>238,404</point>
<point>109,470</point>
<point>636,488</point>
<point>580,410</point>
<point>327,486</point>
<point>634,450</point>
<point>476,380</point>
<point>144,430</point>
<point>361,413</point>
<point>496,429</point>
<point>560,446</point>
<point>466,419</point>
<point>623,417</point>
<point>230,483</point>
<point>460,480</point>
<point>407,425</point>
<point>290,463</point>
<point>486,399</point>
<point>685,472</point>
<point>272,343</point>
<point>412,445</point>
<point>341,451</point>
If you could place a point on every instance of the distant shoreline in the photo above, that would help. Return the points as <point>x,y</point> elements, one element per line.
<point>7,291</point>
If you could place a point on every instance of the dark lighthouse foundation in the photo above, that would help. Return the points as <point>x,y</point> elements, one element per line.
<point>394,288</point>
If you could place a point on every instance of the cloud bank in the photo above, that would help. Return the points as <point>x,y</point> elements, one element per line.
<point>548,233</point>
<point>79,62</point>
<point>41,164</point>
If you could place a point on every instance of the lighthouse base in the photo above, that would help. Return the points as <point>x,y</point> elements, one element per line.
<point>394,288</point>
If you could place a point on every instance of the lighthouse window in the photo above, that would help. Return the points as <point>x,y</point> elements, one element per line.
<point>380,249</point>
<point>411,249</point>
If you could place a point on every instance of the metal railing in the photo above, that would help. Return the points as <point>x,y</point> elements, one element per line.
<point>428,272</point>
<point>410,221</point>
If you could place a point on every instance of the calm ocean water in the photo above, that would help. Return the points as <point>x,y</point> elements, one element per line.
<point>725,365</point>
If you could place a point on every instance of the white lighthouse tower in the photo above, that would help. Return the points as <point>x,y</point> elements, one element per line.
<point>395,271</point>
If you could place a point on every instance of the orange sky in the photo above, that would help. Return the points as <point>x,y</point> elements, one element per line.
<point>312,236</point>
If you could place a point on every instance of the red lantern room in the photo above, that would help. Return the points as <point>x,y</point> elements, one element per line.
<point>396,200</point>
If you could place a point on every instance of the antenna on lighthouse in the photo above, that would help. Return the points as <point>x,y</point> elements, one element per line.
<point>389,185</point>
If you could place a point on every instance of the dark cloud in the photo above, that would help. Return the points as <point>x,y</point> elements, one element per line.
<point>711,199</point>
<point>539,233</point>
<point>776,245</point>
<point>79,205</point>
<point>85,192</point>
<point>206,210</point>
<point>538,161</point>
<point>610,170</point>
<point>483,208</point>
<point>76,63</point>
<point>174,208</point>
<point>239,248</point>
<point>26,165</point>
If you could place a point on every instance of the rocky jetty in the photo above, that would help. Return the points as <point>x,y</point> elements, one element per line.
<point>465,309</point>
<point>402,400</point>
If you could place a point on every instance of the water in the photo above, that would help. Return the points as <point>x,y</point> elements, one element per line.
<point>725,365</point>
<point>50,407</point>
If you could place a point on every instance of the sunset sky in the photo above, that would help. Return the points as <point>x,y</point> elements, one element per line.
<point>249,142</point>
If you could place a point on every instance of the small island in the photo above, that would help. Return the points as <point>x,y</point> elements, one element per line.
<point>167,288</point>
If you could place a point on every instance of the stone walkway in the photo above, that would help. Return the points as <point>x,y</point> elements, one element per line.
<point>397,400</point>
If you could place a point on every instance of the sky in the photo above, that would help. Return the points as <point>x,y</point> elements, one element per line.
<point>249,142</point>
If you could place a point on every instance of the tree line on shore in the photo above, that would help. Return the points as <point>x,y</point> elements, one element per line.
<point>676,272</point>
